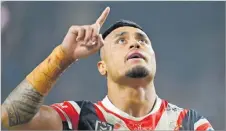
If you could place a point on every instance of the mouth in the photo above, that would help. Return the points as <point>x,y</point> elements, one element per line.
<point>135,55</point>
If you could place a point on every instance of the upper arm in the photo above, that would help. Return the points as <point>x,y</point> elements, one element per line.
<point>45,119</point>
<point>59,116</point>
<point>203,125</point>
<point>194,121</point>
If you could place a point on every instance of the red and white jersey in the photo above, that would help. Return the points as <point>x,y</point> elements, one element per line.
<point>103,115</point>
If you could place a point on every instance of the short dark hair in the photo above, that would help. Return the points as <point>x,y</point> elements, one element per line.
<point>118,24</point>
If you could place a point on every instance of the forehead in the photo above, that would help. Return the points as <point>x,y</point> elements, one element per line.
<point>128,29</point>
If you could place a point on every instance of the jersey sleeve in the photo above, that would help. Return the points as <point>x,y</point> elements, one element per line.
<point>203,125</point>
<point>194,121</point>
<point>69,112</point>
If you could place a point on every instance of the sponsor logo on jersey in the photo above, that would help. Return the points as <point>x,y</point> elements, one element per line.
<point>103,126</point>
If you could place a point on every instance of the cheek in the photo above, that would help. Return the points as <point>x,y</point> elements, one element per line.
<point>116,61</point>
<point>116,54</point>
<point>151,52</point>
<point>152,59</point>
<point>117,58</point>
<point>153,55</point>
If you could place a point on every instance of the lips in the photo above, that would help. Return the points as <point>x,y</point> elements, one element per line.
<point>135,55</point>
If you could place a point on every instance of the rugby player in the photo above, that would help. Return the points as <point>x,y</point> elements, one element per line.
<point>127,62</point>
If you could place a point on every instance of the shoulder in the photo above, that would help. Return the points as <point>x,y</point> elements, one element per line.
<point>69,112</point>
<point>71,105</point>
<point>173,108</point>
<point>188,119</point>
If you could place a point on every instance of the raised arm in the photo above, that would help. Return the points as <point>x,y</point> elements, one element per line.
<point>23,109</point>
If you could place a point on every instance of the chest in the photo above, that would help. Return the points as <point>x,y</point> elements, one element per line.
<point>97,118</point>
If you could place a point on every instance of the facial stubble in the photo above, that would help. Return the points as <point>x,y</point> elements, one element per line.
<point>137,72</point>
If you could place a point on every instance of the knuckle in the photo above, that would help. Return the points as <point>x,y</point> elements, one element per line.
<point>87,27</point>
<point>72,28</point>
<point>90,27</point>
<point>82,28</point>
<point>93,25</point>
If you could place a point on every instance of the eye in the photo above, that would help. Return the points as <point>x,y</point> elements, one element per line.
<point>122,41</point>
<point>142,41</point>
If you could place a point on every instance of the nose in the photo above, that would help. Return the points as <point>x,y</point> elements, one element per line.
<point>135,45</point>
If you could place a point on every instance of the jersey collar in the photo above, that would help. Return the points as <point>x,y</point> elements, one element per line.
<point>108,105</point>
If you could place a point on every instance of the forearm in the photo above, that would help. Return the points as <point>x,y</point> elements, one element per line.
<point>44,76</point>
<point>25,100</point>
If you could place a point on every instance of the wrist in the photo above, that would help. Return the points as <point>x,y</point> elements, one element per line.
<point>63,58</point>
<point>44,76</point>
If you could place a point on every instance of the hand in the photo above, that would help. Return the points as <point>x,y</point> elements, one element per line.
<point>82,41</point>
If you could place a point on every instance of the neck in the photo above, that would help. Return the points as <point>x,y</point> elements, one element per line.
<point>136,100</point>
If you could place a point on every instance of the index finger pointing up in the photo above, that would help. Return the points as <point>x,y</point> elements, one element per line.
<point>103,16</point>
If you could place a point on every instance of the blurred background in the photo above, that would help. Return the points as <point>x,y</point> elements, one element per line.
<point>188,39</point>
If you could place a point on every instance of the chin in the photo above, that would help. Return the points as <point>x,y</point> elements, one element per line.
<point>137,71</point>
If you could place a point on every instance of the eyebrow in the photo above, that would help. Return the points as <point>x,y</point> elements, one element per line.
<point>121,34</point>
<point>140,35</point>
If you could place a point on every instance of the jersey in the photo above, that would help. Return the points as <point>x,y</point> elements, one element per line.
<point>103,115</point>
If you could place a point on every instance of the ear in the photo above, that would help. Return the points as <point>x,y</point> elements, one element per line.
<point>102,68</point>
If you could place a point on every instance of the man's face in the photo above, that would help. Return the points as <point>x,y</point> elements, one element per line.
<point>128,53</point>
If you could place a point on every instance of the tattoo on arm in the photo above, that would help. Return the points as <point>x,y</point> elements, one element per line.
<point>22,104</point>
